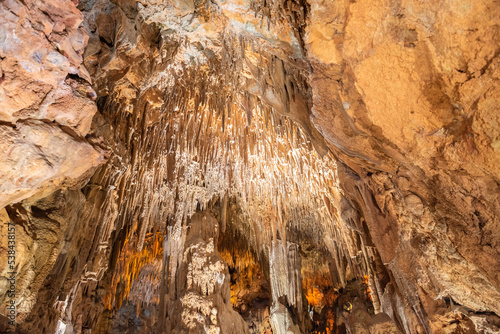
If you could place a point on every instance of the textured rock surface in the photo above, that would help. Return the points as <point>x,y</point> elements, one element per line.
<point>199,298</point>
<point>343,155</point>
<point>42,231</point>
<point>47,105</point>
<point>43,80</point>
<point>413,103</point>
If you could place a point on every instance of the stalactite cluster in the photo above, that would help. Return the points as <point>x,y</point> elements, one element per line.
<point>260,166</point>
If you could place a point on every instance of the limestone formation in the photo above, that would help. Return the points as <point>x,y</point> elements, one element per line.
<point>250,166</point>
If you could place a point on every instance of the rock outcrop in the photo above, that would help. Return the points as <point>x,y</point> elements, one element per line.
<point>46,100</point>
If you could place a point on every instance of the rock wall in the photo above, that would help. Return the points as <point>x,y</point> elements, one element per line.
<point>347,150</point>
<point>412,122</point>
<point>48,154</point>
<point>46,100</point>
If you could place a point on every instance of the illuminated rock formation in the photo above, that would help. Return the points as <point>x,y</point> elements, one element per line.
<point>278,166</point>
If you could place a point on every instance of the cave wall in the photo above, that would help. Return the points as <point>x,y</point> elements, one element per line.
<point>359,138</point>
<point>413,125</point>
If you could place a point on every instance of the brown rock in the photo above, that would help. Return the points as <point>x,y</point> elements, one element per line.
<point>40,158</point>
<point>346,150</point>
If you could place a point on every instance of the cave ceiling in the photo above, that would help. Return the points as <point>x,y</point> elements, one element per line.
<point>250,166</point>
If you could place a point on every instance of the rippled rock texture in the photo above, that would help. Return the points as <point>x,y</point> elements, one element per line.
<point>279,166</point>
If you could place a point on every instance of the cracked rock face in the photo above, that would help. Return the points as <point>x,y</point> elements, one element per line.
<point>46,100</point>
<point>248,166</point>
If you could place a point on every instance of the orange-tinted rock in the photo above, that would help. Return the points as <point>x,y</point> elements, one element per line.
<point>43,81</point>
<point>350,144</point>
<point>40,158</point>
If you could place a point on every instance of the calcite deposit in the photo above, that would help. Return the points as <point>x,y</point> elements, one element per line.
<point>250,166</point>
